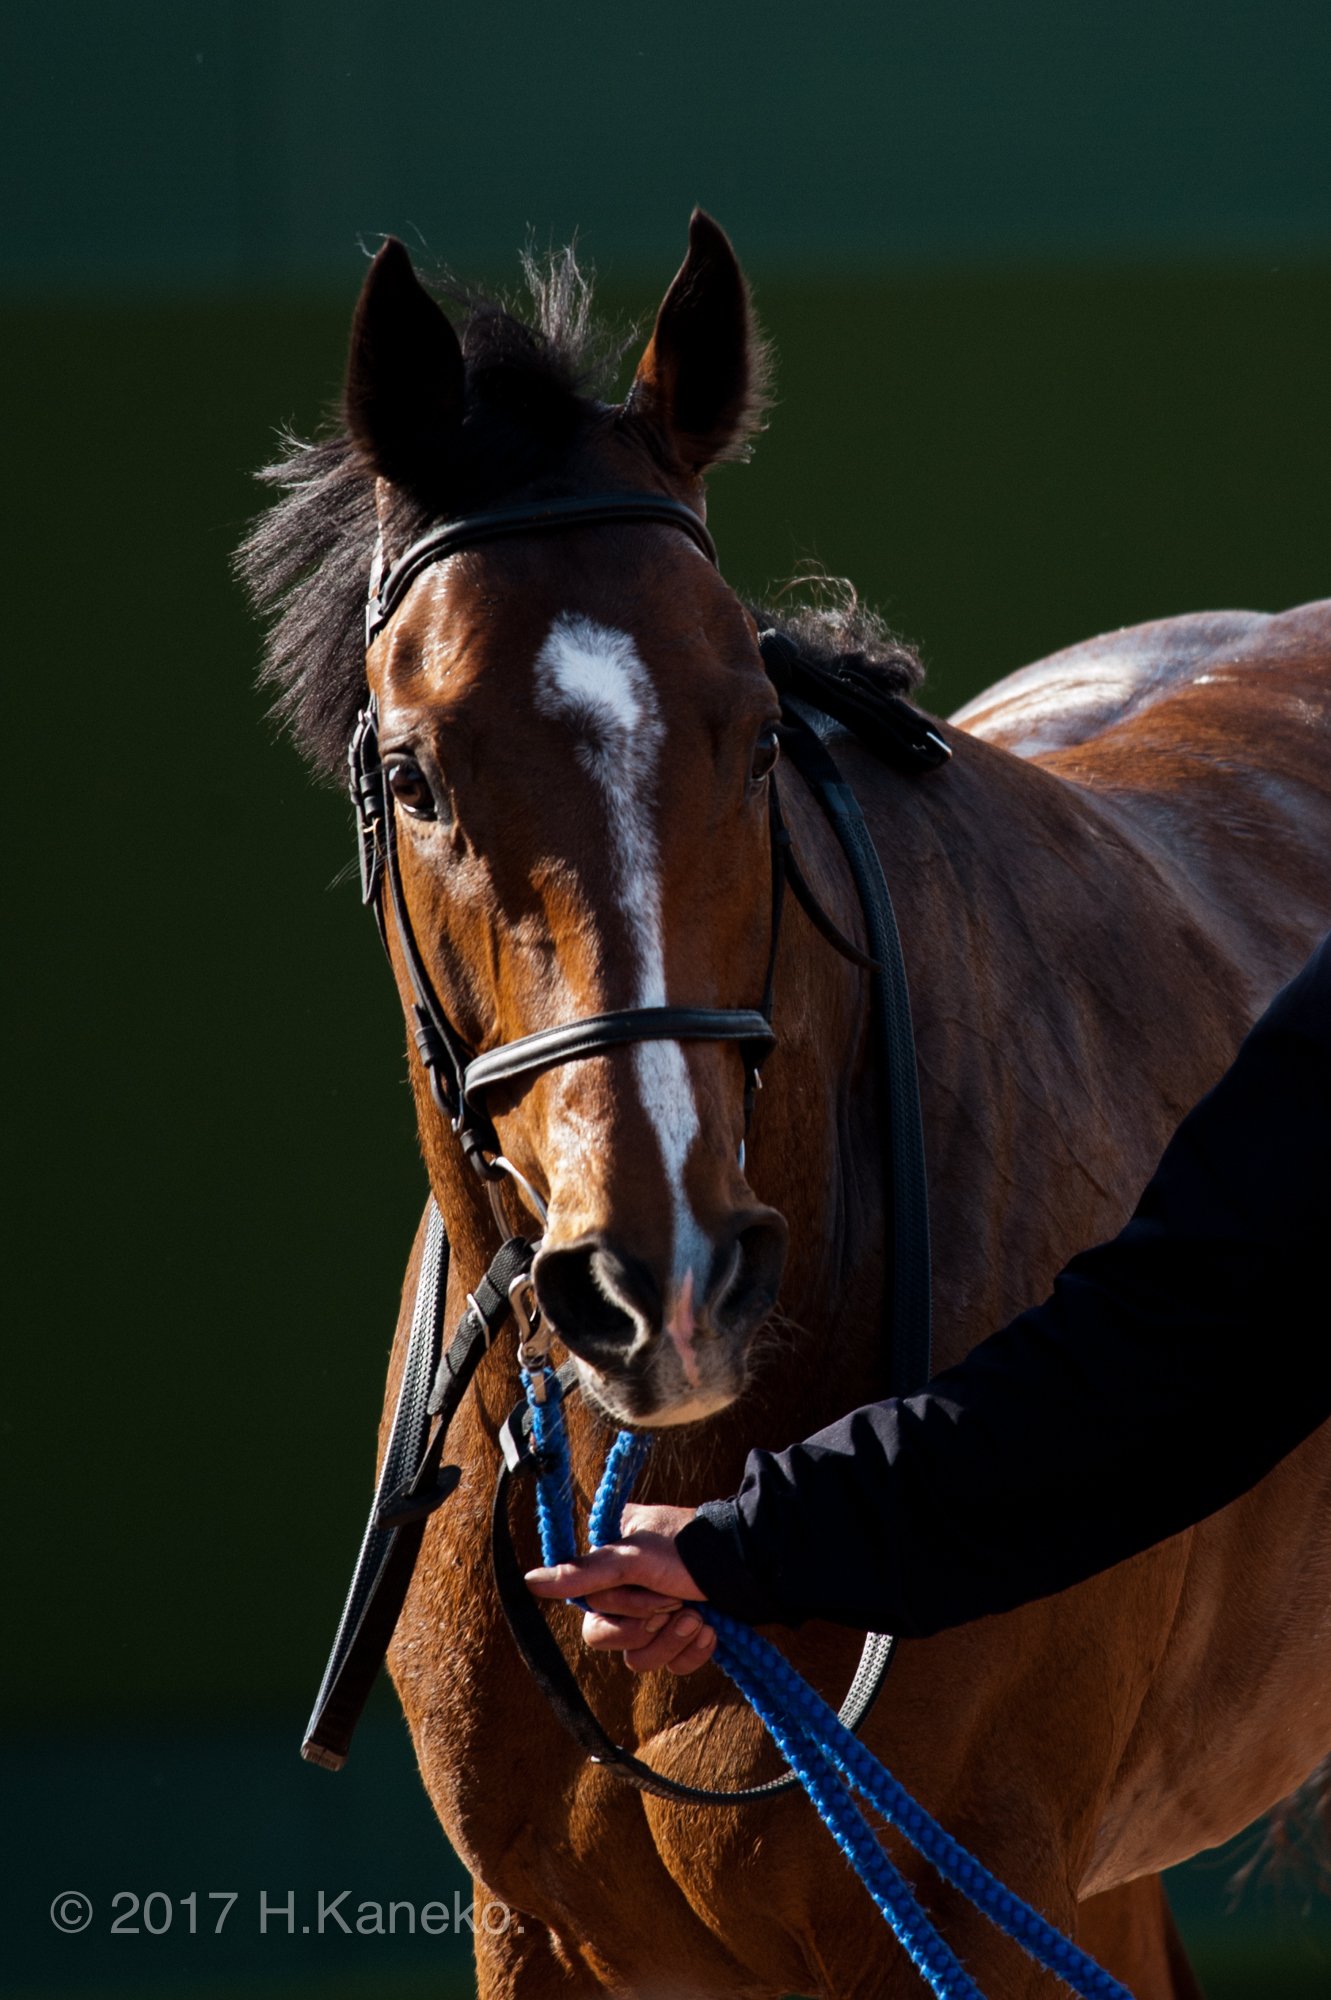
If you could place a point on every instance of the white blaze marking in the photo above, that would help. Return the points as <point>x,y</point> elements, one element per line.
<point>591,677</point>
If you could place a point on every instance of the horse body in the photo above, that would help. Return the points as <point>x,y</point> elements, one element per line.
<point>1089,928</point>
<point>1205,740</point>
<point>1216,761</point>
<point>1089,934</point>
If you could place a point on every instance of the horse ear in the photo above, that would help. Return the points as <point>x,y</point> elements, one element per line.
<point>404,387</point>
<point>700,384</point>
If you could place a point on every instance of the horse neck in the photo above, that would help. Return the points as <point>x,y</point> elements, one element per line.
<point>1007,883</point>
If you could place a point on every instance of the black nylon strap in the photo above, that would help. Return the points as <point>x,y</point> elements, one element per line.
<point>410,1486</point>
<point>598,1032</point>
<point>387,1556</point>
<point>488,1308</point>
<point>530,517</point>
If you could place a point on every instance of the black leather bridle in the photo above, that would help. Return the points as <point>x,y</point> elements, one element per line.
<point>528,517</point>
<point>458,1077</point>
<point>413,1480</point>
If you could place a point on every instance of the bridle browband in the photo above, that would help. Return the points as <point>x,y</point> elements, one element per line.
<point>528,518</point>
<point>459,1077</point>
<point>413,1480</point>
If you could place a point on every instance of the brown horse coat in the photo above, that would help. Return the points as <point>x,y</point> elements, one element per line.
<point>1129,852</point>
<point>1090,926</point>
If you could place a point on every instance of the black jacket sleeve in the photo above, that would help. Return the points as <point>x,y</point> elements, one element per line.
<point>1170,1369</point>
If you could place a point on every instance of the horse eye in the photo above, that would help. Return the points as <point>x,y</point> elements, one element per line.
<point>411,789</point>
<point>765,755</point>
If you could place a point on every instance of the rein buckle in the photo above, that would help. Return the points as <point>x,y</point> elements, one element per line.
<point>533,1336</point>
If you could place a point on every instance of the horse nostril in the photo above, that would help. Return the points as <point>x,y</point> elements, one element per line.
<point>600,1301</point>
<point>745,1277</point>
<point>590,1295</point>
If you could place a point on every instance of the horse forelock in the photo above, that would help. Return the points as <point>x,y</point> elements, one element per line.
<point>535,424</point>
<point>531,386</point>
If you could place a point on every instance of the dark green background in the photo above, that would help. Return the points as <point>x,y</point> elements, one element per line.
<point>1051,294</point>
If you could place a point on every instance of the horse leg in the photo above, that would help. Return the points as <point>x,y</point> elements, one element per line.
<point>520,1958</point>
<point>1130,1929</point>
<point>524,1963</point>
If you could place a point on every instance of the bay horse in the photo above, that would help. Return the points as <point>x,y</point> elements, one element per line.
<point>1128,853</point>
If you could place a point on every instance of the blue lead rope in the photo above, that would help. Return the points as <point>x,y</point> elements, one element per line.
<point>830,1762</point>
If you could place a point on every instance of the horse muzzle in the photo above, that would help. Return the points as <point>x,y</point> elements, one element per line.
<point>661,1348</point>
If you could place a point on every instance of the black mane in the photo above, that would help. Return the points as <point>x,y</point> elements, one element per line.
<point>534,386</point>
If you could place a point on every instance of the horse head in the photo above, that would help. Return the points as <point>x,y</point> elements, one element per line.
<point>579,738</point>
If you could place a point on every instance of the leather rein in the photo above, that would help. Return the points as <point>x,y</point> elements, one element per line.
<point>413,1480</point>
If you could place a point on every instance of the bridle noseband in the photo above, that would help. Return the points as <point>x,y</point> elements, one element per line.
<point>459,1078</point>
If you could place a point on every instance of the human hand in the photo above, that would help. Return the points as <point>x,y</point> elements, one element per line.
<point>637,1593</point>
